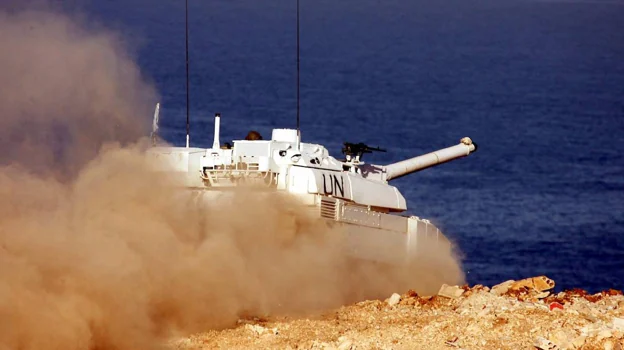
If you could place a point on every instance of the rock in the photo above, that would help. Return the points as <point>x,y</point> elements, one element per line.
<point>542,295</point>
<point>258,330</point>
<point>322,345</point>
<point>578,342</point>
<point>452,341</point>
<point>346,344</point>
<point>604,334</point>
<point>544,344</point>
<point>608,345</point>
<point>451,292</point>
<point>538,284</point>
<point>394,299</point>
<point>590,330</point>
<point>543,283</point>
<point>501,288</point>
<point>561,339</point>
<point>585,311</point>
<point>483,312</point>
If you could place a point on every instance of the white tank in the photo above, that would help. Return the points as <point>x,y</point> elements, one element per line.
<point>345,191</point>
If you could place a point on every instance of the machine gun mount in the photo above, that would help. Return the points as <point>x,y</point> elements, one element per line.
<point>355,151</point>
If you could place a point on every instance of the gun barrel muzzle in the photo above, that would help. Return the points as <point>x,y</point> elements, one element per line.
<point>408,166</point>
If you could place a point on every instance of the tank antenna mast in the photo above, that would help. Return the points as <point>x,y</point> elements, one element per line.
<point>188,123</point>
<point>298,99</point>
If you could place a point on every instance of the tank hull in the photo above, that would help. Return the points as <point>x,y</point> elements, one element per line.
<point>363,232</point>
<point>381,237</point>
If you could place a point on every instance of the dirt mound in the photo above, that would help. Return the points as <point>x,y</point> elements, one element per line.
<point>468,318</point>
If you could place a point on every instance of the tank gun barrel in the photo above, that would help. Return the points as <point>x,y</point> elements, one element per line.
<point>408,166</point>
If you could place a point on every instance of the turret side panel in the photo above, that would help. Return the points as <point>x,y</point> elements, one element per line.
<point>345,186</point>
<point>375,194</point>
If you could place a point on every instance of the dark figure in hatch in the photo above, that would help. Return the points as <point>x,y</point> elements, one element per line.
<point>253,135</point>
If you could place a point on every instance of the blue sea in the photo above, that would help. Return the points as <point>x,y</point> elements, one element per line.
<point>538,85</point>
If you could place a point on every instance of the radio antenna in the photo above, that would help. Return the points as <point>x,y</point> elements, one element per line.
<point>298,98</point>
<point>188,122</point>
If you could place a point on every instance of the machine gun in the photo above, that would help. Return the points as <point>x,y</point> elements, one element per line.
<point>355,151</point>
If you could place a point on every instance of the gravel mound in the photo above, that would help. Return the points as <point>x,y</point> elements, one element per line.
<point>512,315</point>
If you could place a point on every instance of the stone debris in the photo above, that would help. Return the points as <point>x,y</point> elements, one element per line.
<point>345,344</point>
<point>451,292</point>
<point>259,330</point>
<point>502,288</point>
<point>521,314</point>
<point>578,342</point>
<point>611,345</point>
<point>542,295</point>
<point>563,338</point>
<point>394,299</point>
<point>538,284</point>
<point>544,344</point>
<point>452,341</point>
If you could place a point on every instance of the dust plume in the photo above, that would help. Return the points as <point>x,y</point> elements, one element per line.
<point>65,90</point>
<point>97,252</point>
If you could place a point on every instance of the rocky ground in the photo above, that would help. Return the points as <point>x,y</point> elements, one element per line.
<point>512,315</point>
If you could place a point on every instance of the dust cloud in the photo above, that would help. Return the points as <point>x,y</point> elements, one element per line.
<point>97,252</point>
<point>65,89</point>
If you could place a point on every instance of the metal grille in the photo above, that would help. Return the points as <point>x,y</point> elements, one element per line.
<point>328,208</point>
